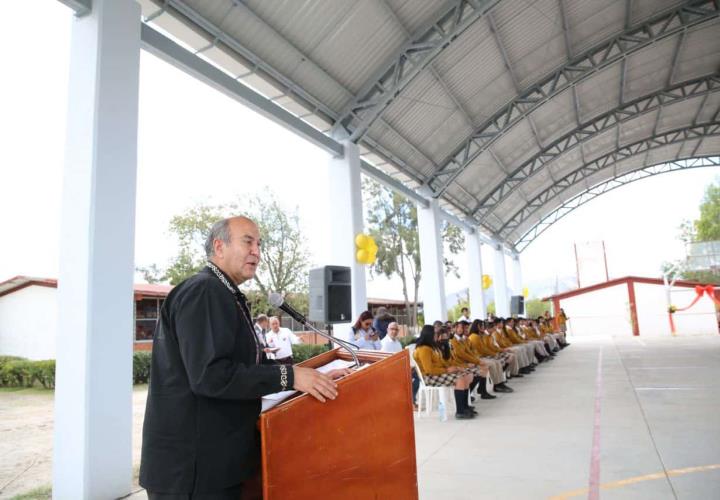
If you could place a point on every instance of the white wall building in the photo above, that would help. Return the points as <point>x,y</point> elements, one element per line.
<point>636,306</point>
<point>29,316</point>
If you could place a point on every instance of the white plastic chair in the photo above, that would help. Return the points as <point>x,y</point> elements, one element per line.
<point>426,395</point>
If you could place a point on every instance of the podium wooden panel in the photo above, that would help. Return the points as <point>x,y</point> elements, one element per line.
<point>359,446</point>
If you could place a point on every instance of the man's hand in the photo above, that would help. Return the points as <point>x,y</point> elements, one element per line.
<point>340,372</point>
<point>311,381</point>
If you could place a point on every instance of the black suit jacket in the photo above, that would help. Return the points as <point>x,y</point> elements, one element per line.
<point>206,381</point>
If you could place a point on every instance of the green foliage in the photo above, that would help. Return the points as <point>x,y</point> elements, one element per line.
<point>41,493</point>
<point>491,308</point>
<point>141,367</point>
<point>301,352</point>
<point>708,225</point>
<point>44,372</point>
<point>535,308</point>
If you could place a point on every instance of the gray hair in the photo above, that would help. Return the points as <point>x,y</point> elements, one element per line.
<point>219,231</point>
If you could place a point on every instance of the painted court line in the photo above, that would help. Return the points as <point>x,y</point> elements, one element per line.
<point>594,487</point>
<point>638,479</point>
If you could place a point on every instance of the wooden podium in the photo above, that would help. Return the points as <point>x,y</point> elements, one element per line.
<point>359,446</point>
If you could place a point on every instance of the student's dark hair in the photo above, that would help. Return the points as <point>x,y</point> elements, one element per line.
<point>427,337</point>
<point>475,327</point>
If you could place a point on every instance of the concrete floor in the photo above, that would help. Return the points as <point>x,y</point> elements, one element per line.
<point>659,428</point>
<point>659,412</point>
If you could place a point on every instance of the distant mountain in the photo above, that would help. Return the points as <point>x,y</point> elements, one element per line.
<point>537,290</point>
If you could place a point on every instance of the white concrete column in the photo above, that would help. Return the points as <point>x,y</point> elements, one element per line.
<point>502,300</point>
<point>516,275</point>
<point>346,221</point>
<point>475,272</point>
<point>431,261</point>
<point>92,454</point>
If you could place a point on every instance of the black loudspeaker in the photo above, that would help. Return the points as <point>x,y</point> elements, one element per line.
<point>517,305</point>
<point>330,298</point>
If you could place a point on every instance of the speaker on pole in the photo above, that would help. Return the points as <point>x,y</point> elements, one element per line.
<point>517,305</point>
<point>330,295</point>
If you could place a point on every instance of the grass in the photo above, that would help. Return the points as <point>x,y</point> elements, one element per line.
<point>41,493</point>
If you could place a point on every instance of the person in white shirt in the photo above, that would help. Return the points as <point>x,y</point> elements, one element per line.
<point>390,342</point>
<point>465,313</point>
<point>283,339</point>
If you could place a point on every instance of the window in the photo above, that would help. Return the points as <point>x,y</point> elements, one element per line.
<point>147,312</point>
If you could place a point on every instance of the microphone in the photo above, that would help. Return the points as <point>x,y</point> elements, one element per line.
<point>276,300</point>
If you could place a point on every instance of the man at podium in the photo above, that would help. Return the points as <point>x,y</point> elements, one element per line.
<point>208,375</point>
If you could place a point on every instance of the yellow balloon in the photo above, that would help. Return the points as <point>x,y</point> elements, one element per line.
<point>362,255</point>
<point>362,240</point>
<point>486,281</point>
<point>526,292</point>
<point>373,246</point>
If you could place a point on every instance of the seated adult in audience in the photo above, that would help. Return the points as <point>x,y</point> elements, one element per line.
<point>381,321</point>
<point>496,365</point>
<point>437,372</point>
<point>282,338</point>
<point>362,333</point>
<point>391,343</point>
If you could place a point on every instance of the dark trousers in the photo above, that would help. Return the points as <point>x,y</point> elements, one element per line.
<point>415,384</point>
<point>233,493</point>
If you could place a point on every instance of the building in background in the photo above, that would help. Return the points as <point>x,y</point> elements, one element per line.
<point>29,310</point>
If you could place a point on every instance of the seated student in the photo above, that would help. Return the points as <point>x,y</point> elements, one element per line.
<point>390,342</point>
<point>437,372</point>
<point>553,329</point>
<point>546,328</point>
<point>484,343</point>
<point>462,353</point>
<point>536,348</point>
<point>500,336</point>
<point>529,329</point>
<point>362,333</point>
<point>496,365</point>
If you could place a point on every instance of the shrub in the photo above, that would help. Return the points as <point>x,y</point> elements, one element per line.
<point>301,352</point>
<point>17,373</point>
<point>44,372</point>
<point>141,367</point>
<point>407,340</point>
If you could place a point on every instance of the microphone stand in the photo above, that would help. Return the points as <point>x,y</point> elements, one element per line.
<point>348,346</point>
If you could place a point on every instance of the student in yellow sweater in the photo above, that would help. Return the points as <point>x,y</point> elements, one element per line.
<point>484,343</point>
<point>462,353</point>
<point>438,372</point>
<point>476,349</point>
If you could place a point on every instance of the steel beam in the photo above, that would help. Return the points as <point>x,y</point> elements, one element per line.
<point>601,163</point>
<point>580,199</point>
<point>583,133</point>
<point>80,7</point>
<point>172,53</point>
<point>420,50</point>
<point>604,54</point>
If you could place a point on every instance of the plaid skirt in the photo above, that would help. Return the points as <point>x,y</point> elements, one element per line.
<point>442,380</point>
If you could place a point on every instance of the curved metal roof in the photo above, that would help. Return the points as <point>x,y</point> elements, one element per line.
<point>505,111</point>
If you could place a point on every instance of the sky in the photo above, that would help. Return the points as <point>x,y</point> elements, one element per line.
<point>196,145</point>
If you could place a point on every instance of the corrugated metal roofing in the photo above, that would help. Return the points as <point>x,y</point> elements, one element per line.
<point>489,82</point>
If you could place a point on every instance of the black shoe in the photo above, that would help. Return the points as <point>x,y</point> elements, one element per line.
<point>502,388</point>
<point>487,396</point>
<point>464,416</point>
<point>519,375</point>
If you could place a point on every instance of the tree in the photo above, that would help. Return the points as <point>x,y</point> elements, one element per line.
<point>392,222</point>
<point>707,227</point>
<point>535,308</point>
<point>284,262</point>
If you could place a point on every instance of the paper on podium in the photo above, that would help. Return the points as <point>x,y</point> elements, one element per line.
<point>272,400</point>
